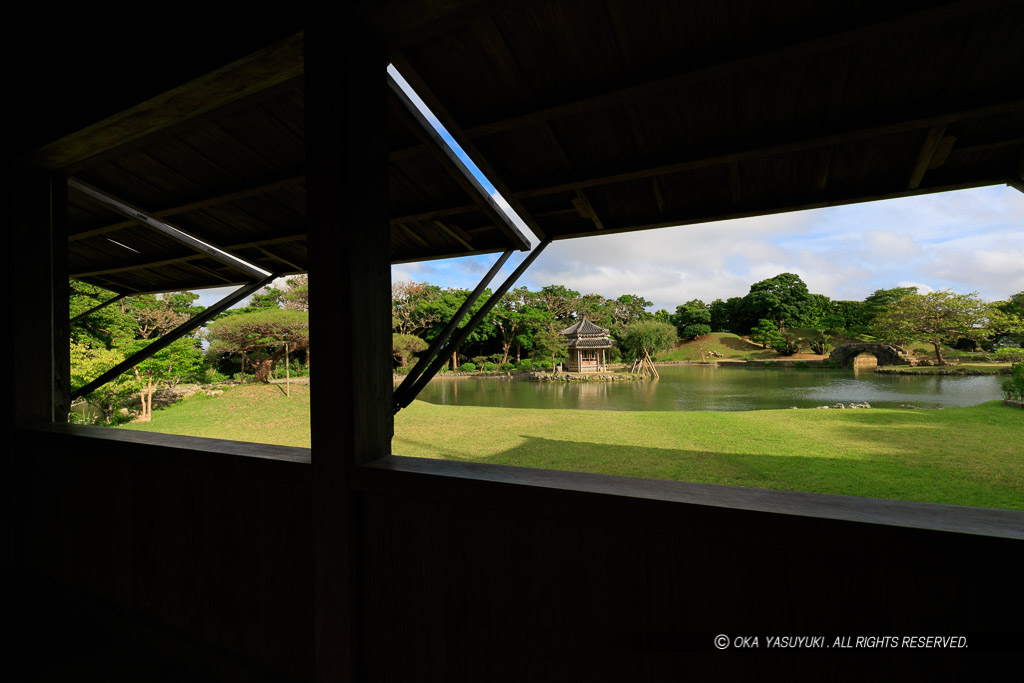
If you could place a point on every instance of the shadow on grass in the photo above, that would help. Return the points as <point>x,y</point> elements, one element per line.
<point>875,477</point>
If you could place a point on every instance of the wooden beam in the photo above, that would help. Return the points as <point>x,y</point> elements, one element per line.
<point>451,162</point>
<point>458,238</point>
<point>258,72</point>
<point>766,209</point>
<point>924,157</point>
<point>586,209</point>
<point>455,130</point>
<point>197,205</point>
<point>172,231</point>
<point>409,231</point>
<point>847,133</point>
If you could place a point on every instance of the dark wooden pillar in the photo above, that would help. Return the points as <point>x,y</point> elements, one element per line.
<point>39,328</point>
<point>350,266</point>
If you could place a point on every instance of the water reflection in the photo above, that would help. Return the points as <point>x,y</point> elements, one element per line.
<point>722,388</point>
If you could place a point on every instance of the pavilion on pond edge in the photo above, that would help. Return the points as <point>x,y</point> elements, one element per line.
<point>587,343</point>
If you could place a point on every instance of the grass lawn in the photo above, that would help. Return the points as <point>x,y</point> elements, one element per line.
<point>250,412</point>
<point>963,456</point>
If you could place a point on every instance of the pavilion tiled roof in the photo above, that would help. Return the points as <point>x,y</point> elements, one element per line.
<point>591,343</point>
<point>585,328</point>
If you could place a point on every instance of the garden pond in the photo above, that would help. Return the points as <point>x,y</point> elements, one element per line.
<point>723,388</point>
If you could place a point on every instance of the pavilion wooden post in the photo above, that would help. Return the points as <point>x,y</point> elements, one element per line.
<point>38,209</point>
<point>347,208</point>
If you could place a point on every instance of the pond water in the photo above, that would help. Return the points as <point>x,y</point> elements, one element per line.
<point>723,388</point>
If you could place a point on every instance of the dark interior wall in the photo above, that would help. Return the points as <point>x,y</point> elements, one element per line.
<point>498,582</point>
<point>212,548</point>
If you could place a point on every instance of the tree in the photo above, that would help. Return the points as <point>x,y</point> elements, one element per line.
<point>881,301</point>
<point>403,346</point>
<point>648,336</point>
<point>783,299</point>
<point>934,318</point>
<point>182,360</point>
<point>411,306</point>
<point>87,364</point>
<point>766,333</point>
<point>262,337</point>
<point>157,314</point>
<point>296,297</point>
<point>692,319</point>
<point>516,317</point>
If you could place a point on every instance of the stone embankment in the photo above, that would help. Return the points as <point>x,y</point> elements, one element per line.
<point>585,377</point>
<point>865,404</point>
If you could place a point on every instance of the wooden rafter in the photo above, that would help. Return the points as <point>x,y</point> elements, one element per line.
<point>846,134</point>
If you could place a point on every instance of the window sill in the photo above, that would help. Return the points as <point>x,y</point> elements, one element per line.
<point>406,474</point>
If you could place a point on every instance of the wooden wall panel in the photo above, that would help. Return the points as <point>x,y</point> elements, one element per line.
<point>212,549</point>
<point>517,585</point>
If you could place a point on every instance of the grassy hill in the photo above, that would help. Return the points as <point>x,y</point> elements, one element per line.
<point>729,345</point>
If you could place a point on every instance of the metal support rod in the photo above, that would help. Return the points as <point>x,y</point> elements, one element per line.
<point>435,345</point>
<point>168,229</point>
<point>465,331</point>
<point>98,307</point>
<point>174,335</point>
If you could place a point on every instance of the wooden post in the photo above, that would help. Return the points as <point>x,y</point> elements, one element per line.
<point>347,209</point>
<point>287,373</point>
<point>38,230</point>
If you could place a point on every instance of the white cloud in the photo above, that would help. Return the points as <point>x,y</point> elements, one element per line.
<point>971,240</point>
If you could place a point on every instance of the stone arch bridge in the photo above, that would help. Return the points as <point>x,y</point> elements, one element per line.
<point>887,354</point>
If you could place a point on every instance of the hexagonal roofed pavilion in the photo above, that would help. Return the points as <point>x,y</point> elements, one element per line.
<point>587,343</point>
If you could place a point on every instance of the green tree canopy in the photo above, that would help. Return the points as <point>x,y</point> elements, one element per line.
<point>935,318</point>
<point>783,299</point>
<point>648,337</point>
<point>263,337</point>
<point>692,319</point>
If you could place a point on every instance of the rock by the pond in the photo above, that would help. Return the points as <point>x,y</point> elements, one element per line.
<point>865,404</point>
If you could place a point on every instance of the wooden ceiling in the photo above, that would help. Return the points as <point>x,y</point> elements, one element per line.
<point>589,116</point>
<point>621,115</point>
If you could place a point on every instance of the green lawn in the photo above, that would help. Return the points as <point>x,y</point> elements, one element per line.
<point>963,456</point>
<point>250,412</point>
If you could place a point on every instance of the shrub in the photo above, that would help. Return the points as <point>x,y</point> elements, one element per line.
<point>211,376</point>
<point>505,367</point>
<point>526,364</point>
<point>1013,388</point>
<point>490,367</point>
<point>696,330</point>
<point>1008,355</point>
<point>544,363</point>
<point>467,367</point>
